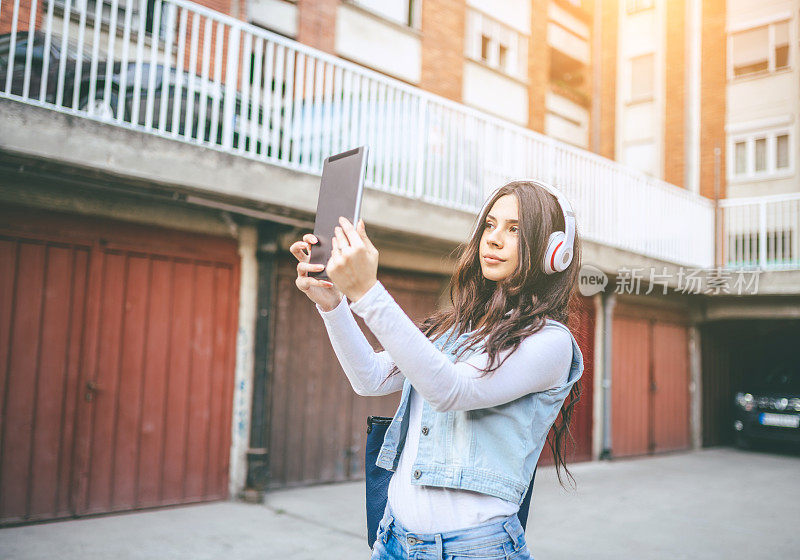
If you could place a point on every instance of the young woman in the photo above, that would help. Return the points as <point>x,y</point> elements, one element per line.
<point>482,382</point>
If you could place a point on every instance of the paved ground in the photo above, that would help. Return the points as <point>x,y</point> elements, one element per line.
<point>716,503</point>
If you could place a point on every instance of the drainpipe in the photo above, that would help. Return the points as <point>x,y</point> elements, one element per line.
<point>718,257</point>
<point>609,300</point>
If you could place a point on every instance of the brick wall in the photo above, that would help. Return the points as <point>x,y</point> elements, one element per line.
<point>607,58</point>
<point>316,23</point>
<point>7,9</point>
<point>443,25</point>
<point>675,83</point>
<point>713,84</point>
<point>538,65</point>
<point>23,17</point>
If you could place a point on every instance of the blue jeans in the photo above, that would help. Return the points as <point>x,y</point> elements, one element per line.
<point>496,540</point>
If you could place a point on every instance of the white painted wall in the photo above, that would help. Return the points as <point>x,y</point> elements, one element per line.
<point>758,102</point>
<point>574,42</point>
<point>640,125</point>
<point>561,128</point>
<point>513,13</point>
<point>374,42</point>
<point>746,13</point>
<point>277,15</point>
<point>568,43</point>
<point>395,10</point>
<point>566,19</point>
<point>495,93</point>
<point>761,97</point>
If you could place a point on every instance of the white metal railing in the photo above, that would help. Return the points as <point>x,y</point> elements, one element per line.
<point>761,232</point>
<point>180,70</point>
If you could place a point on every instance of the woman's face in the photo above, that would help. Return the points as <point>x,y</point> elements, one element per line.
<point>500,238</point>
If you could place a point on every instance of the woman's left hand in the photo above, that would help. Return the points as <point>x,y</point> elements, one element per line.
<point>353,266</point>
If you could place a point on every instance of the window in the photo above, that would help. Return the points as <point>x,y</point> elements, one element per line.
<point>741,158</point>
<point>781,45</point>
<point>633,6</point>
<point>760,154</point>
<point>751,51</point>
<point>642,77</point>
<point>759,50</point>
<point>782,156</point>
<point>497,45</point>
<point>404,12</point>
<point>485,41</point>
<point>90,7</point>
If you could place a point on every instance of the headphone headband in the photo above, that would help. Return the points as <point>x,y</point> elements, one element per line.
<point>566,209</point>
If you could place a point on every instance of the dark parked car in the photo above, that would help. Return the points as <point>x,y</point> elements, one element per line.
<point>769,409</point>
<point>104,107</point>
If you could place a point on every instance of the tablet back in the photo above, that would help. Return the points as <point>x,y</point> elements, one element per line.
<point>340,194</point>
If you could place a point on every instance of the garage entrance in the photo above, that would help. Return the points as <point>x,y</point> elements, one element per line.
<point>116,365</point>
<point>738,355</point>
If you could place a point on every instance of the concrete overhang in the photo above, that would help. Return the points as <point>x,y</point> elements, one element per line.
<point>411,234</point>
<point>723,308</point>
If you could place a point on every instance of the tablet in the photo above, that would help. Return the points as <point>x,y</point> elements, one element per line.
<point>340,193</point>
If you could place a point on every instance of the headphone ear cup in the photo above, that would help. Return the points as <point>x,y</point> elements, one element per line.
<point>552,256</point>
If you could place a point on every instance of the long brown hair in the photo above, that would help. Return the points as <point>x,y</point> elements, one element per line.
<point>528,293</point>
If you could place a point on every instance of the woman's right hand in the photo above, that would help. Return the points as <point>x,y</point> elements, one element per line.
<point>321,292</point>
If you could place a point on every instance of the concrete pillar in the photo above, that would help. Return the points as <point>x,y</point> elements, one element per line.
<point>597,389</point>
<point>245,352</point>
<point>695,388</point>
<point>258,457</point>
<point>609,301</point>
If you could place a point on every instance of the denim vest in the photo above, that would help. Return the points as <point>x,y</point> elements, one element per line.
<point>489,450</point>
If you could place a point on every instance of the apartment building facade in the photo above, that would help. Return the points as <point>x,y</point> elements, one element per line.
<point>145,236</point>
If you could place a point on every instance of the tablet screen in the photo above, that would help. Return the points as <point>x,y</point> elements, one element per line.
<point>340,194</point>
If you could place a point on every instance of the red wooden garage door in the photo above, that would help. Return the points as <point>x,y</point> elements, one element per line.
<point>582,324</point>
<point>650,382</point>
<point>116,365</point>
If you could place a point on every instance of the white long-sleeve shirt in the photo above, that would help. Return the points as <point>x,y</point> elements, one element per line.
<point>541,362</point>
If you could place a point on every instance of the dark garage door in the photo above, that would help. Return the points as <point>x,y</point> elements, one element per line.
<point>736,355</point>
<point>317,422</point>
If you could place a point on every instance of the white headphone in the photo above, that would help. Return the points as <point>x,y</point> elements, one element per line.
<point>559,252</point>
<point>559,246</point>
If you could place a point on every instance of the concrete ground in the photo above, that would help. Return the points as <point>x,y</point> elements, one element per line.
<point>713,503</point>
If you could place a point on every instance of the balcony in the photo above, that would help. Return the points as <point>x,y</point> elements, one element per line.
<point>191,76</point>
<point>762,232</point>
